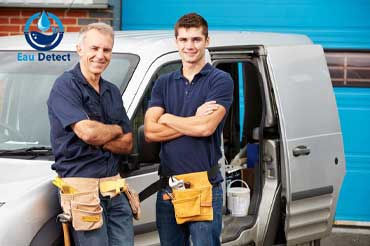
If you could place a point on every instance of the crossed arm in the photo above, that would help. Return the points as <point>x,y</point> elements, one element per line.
<point>110,137</point>
<point>155,131</point>
<point>160,126</point>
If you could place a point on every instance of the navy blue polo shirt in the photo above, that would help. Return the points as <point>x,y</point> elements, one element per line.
<point>73,99</point>
<point>177,96</point>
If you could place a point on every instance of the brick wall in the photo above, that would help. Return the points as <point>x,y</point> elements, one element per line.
<point>13,20</point>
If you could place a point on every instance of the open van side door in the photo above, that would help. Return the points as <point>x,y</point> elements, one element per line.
<point>312,155</point>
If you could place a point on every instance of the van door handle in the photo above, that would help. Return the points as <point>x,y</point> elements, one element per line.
<point>301,150</point>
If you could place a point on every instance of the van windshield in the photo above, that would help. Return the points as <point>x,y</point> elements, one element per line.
<point>25,87</point>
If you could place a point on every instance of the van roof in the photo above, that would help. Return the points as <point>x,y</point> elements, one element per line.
<point>158,42</point>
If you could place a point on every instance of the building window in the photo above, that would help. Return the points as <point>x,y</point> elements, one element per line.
<point>349,68</point>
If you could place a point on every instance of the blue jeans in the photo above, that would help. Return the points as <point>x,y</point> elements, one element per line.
<point>204,233</point>
<point>117,228</point>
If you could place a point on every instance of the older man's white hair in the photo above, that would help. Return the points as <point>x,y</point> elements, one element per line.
<point>99,26</point>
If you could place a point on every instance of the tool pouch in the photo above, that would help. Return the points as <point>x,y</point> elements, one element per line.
<point>194,203</point>
<point>84,205</point>
<point>113,186</point>
<point>134,201</point>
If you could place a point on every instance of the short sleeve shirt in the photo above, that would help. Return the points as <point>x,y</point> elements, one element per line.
<point>71,100</point>
<point>177,96</point>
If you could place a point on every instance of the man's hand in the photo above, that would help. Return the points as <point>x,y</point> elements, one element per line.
<point>120,145</point>
<point>163,118</point>
<point>207,108</point>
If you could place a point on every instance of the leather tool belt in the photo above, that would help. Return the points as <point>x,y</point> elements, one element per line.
<point>193,203</point>
<point>80,199</point>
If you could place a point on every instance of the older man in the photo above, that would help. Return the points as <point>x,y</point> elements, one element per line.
<point>89,129</point>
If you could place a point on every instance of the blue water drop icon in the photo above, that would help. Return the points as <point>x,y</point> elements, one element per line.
<point>43,24</point>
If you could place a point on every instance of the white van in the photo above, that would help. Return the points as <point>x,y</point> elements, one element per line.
<point>283,104</point>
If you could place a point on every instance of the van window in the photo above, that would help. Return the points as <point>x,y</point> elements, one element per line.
<point>25,87</point>
<point>138,119</point>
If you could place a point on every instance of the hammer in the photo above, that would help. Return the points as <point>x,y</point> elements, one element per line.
<point>65,218</point>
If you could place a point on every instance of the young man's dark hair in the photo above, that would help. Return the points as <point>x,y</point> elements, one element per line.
<point>192,20</point>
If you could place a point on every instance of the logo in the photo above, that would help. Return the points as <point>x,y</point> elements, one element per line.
<point>40,40</point>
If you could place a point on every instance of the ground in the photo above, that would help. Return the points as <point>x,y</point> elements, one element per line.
<point>348,236</point>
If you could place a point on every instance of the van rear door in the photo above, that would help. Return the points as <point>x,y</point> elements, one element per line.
<point>312,158</point>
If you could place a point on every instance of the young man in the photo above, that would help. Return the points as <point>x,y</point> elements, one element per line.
<point>89,129</point>
<point>186,114</point>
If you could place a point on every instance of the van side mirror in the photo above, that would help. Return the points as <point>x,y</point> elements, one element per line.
<point>148,152</point>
